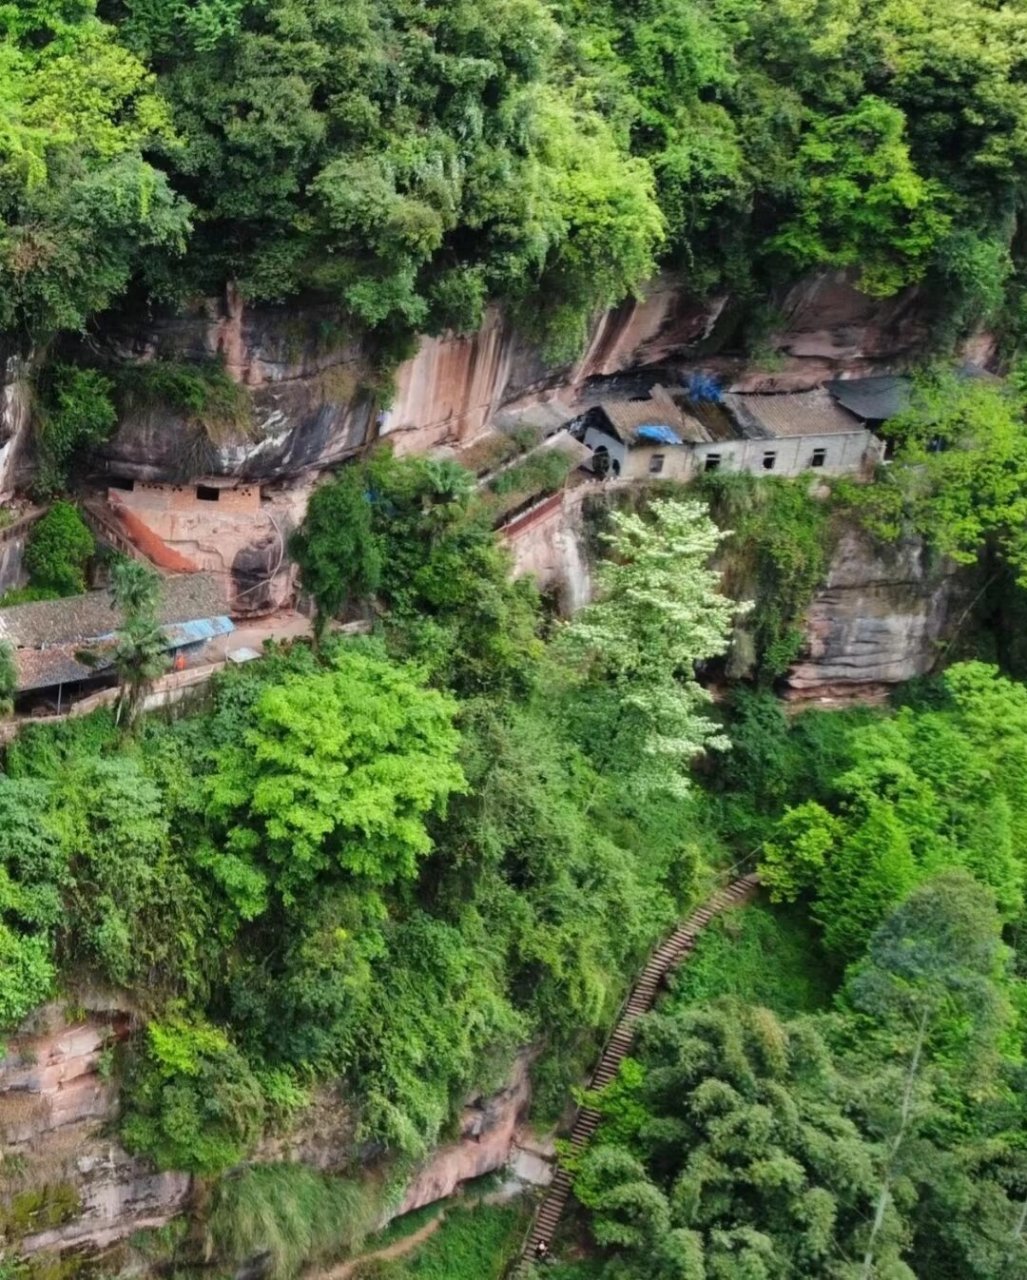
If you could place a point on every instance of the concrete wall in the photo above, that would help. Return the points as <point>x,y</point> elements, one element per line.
<point>844,454</point>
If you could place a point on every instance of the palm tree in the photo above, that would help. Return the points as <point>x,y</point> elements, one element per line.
<point>139,655</point>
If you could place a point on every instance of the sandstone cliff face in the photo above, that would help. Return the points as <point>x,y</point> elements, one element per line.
<point>306,383</point>
<point>309,386</point>
<point>71,1185</point>
<point>15,414</point>
<point>882,617</point>
<point>68,1184</point>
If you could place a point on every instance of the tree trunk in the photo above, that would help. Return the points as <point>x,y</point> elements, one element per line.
<point>905,1114</point>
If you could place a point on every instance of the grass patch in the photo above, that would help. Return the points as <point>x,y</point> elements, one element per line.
<point>291,1213</point>
<point>763,955</point>
<point>472,1244</point>
<point>407,1225</point>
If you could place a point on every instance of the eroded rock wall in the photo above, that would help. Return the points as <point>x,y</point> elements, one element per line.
<point>307,384</point>
<point>883,616</point>
<point>15,418</point>
<point>311,387</point>
<point>66,1183</point>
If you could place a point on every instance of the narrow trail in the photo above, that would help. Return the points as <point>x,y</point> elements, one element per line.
<point>398,1249</point>
<point>643,994</point>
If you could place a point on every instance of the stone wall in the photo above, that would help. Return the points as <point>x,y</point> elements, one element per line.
<point>56,1107</point>
<point>547,543</point>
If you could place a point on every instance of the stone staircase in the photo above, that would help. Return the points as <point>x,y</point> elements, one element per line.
<point>641,999</point>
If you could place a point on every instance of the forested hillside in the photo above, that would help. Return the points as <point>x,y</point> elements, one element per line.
<point>411,160</point>
<point>357,881</point>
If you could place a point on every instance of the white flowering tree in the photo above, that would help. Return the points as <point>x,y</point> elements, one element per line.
<point>658,612</point>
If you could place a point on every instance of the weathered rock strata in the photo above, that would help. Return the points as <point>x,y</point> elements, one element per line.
<point>58,1108</point>
<point>883,616</point>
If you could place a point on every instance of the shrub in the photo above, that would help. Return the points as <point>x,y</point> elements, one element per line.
<point>58,550</point>
<point>76,410</point>
<point>8,679</point>
<point>193,1102</point>
<point>291,1213</point>
<point>201,393</point>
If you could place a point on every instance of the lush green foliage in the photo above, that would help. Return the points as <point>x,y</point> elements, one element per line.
<point>658,612</point>
<point>472,1244</point>
<point>195,1102</point>
<point>928,788</point>
<point>775,554</point>
<point>764,955</point>
<point>58,550</point>
<point>139,654</point>
<point>295,1215</point>
<point>338,769</point>
<point>74,410</point>
<point>744,1163</point>
<point>959,475</point>
<point>415,536</point>
<point>337,548</point>
<point>81,208</point>
<point>410,160</point>
<point>8,678</point>
<point>368,880</point>
<point>879,1141</point>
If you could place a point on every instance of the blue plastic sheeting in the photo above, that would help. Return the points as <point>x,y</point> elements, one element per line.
<point>658,435</point>
<point>180,634</point>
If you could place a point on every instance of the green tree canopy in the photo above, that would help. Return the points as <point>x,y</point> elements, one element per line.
<point>337,771</point>
<point>80,205</point>
<point>743,1161</point>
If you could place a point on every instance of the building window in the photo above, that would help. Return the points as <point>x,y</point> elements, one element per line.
<point>712,462</point>
<point>207,493</point>
<point>656,463</point>
<point>819,458</point>
<point>769,459</point>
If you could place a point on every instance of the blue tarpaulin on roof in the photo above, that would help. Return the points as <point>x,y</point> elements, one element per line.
<point>658,435</point>
<point>180,634</point>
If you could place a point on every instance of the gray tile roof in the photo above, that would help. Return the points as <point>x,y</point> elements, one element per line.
<point>659,410</point>
<point>76,619</point>
<point>799,413</point>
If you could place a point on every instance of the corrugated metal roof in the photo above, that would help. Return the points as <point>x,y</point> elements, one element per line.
<point>800,413</point>
<point>873,399</point>
<point>197,631</point>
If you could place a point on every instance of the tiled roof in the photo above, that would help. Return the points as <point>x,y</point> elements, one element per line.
<point>659,410</point>
<point>59,664</point>
<point>801,413</point>
<point>76,619</point>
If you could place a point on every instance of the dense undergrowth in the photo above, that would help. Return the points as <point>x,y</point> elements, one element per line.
<point>358,878</point>
<point>835,1089</point>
